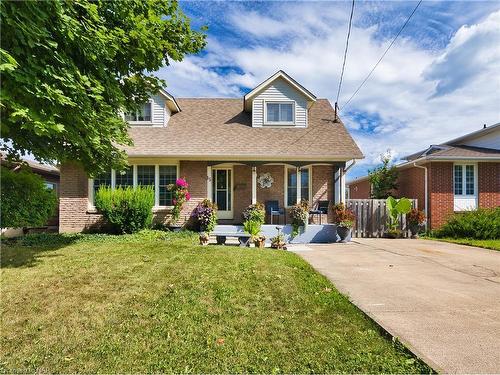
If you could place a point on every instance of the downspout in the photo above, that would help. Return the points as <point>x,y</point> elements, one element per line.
<point>426,198</point>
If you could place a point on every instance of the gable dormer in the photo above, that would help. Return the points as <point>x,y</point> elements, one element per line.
<point>279,101</point>
<point>155,112</point>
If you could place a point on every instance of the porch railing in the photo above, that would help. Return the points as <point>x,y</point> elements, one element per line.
<point>371,217</point>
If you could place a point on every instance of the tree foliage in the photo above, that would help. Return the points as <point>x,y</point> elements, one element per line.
<point>383,179</point>
<point>26,201</point>
<point>69,68</point>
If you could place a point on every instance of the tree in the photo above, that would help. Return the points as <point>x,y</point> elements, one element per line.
<point>69,68</point>
<point>383,179</point>
<point>26,201</point>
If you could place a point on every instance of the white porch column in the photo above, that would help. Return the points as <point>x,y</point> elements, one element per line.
<point>254,185</point>
<point>209,183</point>
<point>299,182</point>
<point>342,185</point>
<point>337,189</point>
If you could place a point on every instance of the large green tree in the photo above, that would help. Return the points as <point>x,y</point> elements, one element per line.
<point>383,179</point>
<point>68,68</point>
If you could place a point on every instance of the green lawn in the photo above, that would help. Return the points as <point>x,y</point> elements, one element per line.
<point>487,244</point>
<point>138,304</point>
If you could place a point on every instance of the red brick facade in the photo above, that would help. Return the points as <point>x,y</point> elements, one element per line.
<point>489,184</point>
<point>440,193</point>
<point>75,215</point>
<point>360,190</point>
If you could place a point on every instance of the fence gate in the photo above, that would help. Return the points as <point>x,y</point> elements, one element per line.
<point>372,215</point>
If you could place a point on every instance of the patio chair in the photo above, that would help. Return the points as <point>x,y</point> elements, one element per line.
<point>273,209</point>
<point>321,209</point>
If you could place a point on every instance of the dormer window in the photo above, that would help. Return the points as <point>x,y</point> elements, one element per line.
<point>279,113</point>
<point>143,114</point>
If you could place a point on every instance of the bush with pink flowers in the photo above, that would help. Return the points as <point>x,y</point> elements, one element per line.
<point>180,196</point>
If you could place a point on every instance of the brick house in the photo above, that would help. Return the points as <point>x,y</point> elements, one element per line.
<point>224,148</point>
<point>458,175</point>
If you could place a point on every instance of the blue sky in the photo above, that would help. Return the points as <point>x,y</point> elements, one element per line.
<point>441,79</point>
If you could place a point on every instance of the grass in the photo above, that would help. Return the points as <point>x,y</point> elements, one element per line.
<point>487,244</point>
<point>161,303</point>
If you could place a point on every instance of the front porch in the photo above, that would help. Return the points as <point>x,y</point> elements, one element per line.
<point>237,184</point>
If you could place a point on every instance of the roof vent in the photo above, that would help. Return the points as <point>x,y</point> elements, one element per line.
<point>484,126</point>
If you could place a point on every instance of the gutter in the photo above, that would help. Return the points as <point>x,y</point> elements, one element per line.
<point>426,192</point>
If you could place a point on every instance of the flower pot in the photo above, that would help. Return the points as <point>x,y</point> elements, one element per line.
<point>204,237</point>
<point>414,228</point>
<point>175,227</point>
<point>393,233</point>
<point>343,233</point>
<point>260,242</point>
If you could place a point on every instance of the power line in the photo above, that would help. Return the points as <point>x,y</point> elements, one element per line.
<point>345,51</point>
<point>383,55</point>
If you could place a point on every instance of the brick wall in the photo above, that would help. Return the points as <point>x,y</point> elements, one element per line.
<point>322,190</point>
<point>73,200</point>
<point>489,184</point>
<point>359,190</point>
<point>277,190</point>
<point>411,184</point>
<point>242,190</point>
<point>440,193</point>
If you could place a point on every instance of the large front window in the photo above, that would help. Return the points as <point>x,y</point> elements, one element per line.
<point>157,176</point>
<point>292,185</point>
<point>279,113</point>
<point>142,114</point>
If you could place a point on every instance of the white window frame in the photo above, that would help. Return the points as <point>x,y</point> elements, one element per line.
<point>91,203</point>
<point>464,196</point>
<point>309,198</point>
<point>135,122</point>
<point>279,123</point>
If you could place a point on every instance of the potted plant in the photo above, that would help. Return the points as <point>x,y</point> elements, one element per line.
<point>180,196</point>
<point>415,219</point>
<point>278,242</point>
<point>344,220</point>
<point>396,207</point>
<point>299,215</point>
<point>252,227</point>
<point>205,219</point>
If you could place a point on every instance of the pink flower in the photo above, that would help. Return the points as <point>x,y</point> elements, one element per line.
<point>188,196</point>
<point>181,182</point>
<point>174,201</point>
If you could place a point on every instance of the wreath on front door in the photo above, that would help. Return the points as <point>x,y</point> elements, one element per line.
<point>265,180</point>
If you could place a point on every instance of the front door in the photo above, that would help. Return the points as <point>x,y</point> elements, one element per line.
<point>222,182</point>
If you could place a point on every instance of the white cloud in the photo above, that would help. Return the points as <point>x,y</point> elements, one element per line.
<point>416,97</point>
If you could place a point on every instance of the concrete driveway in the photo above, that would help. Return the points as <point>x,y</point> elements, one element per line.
<point>441,300</point>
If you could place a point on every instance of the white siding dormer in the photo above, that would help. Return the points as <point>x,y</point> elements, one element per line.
<point>160,110</point>
<point>279,91</point>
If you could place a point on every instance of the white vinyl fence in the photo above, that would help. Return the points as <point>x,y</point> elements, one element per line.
<point>371,217</point>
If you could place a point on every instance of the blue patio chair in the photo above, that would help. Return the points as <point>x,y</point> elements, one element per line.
<point>321,209</point>
<point>273,209</point>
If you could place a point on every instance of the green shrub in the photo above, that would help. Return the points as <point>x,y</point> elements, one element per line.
<point>255,212</point>
<point>481,224</point>
<point>26,201</point>
<point>127,210</point>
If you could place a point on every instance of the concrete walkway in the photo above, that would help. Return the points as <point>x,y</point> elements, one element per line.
<point>441,300</point>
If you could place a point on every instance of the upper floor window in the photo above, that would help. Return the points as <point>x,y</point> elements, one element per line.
<point>142,114</point>
<point>279,113</point>
<point>464,181</point>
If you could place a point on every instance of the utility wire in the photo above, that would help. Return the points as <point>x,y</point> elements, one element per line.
<point>383,55</point>
<point>345,51</point>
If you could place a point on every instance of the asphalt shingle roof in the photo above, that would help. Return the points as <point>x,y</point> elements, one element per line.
<point>218,127</point>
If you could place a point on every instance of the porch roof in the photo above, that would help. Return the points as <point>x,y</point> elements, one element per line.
<point>218,129</point>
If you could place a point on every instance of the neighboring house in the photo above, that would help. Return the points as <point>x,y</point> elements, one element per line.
<point>225,148</point>
<point>458,175</point>
<point>50,175</point>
